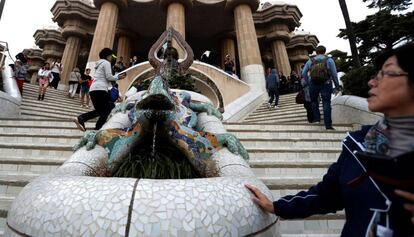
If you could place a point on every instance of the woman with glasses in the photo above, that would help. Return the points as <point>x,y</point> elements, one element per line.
<point>375,170</point>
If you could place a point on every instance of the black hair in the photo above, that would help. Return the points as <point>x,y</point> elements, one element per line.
<point>404,56</point>
<point>105,52</point>
<point>21,57</point>
<point>320,49</point>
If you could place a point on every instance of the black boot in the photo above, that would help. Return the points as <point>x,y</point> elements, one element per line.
<point>39,97</point>
<point>43,97</point>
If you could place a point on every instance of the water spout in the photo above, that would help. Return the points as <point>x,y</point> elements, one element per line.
<point>153,140</point>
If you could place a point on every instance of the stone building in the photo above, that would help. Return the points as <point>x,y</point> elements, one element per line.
<point>256,36</point>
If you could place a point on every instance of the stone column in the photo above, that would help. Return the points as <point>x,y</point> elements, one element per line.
<point>228,47</point>
<point>176,17</point>
<point>248,47</point>
<point>69,58</point>
<point>280,57</point>
<point>124,48</point>
<point>105,27</point>
<point>74,31</point>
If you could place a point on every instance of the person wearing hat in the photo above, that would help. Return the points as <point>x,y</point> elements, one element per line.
<point>99,91</point>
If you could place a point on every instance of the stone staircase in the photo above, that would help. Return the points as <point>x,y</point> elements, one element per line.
<point>287,153</point>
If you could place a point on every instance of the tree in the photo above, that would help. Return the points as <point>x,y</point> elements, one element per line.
<point>350,33</point>
<point>389,5</point>
<point>382,31</point>
<point>343,62</point>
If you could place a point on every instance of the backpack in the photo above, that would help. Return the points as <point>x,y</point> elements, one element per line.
<point>318,72</point>
<point>113,94</point>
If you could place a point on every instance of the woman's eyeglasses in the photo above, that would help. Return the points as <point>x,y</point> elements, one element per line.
<point>381,74</point>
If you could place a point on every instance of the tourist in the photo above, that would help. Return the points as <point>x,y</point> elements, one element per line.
<point>322,72</point>
<point>45,76</point>
<point>119,66</point>
<point>84,88</point>
<point>272,87</point>
<point>56,70</point>
<point>99,91</point>
<point>134,61</point>
<point>228,65</point>
<point>307,100</point>
<point>19,74</point>
<point>283,83</point>
<point>74,79</point>
<point>354,182</point>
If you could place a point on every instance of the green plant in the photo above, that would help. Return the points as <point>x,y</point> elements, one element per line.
<point>166,163</point>
<point>176,81</point>
<point>356,81</point>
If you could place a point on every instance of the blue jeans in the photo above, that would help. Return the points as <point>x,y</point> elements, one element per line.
<point>325,90</point>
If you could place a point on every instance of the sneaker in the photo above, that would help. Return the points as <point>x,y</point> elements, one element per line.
<point>330,128</point>
<point>87,106</point>
<point>82,106</point>
<point>79,124</point>
<point>276,107</point>
<point>268,105</point>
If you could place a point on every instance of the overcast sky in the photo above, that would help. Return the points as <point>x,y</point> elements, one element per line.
<point>21,18</point>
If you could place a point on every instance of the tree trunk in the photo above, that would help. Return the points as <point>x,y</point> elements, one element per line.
<point>2,2</point>
<point>350,33</point>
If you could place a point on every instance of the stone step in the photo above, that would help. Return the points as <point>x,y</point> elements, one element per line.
<point>73,130</point>
<point>289,142</point>
<point>50,98</point>
<point>290,172</point>
<point>285,153</point>
<point>274,113</point>
<point>38,139</point>
<point>42,123</point>
<point>322,227</point>
<point>274,127</point>
<point>52,105</point>
<point>300,116</point>
<point>54,102</point>
<point>33,150</point>
<point>50,111</point>
<point>37,114</point>
<point>281,109</point>
<point>287,134</point>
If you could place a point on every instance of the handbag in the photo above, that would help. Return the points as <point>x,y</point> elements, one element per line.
<point>300,97</point>
<point>90,83</point>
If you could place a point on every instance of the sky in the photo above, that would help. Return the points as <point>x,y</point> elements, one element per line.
<point>21,18</point>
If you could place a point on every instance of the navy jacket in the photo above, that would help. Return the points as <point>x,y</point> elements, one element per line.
<point>334,193</point>
<point>272,80</point>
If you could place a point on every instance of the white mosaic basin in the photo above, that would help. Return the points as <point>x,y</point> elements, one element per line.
<point>70,202</point>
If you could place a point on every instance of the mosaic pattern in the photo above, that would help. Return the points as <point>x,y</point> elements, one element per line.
<point>69,202</point>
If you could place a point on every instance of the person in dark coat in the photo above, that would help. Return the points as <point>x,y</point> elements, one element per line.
<point>375,162</point>
<point>272,87</point>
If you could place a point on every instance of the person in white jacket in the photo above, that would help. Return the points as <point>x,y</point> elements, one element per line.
<point>99,91</point>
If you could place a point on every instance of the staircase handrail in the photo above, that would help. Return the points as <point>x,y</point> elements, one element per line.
<point>9,84</point>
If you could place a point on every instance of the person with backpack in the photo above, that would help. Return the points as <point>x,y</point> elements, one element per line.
<point>320,72</point>
<point>272,87</point>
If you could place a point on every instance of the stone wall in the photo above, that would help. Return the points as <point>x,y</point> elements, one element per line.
<point>350,109</point>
